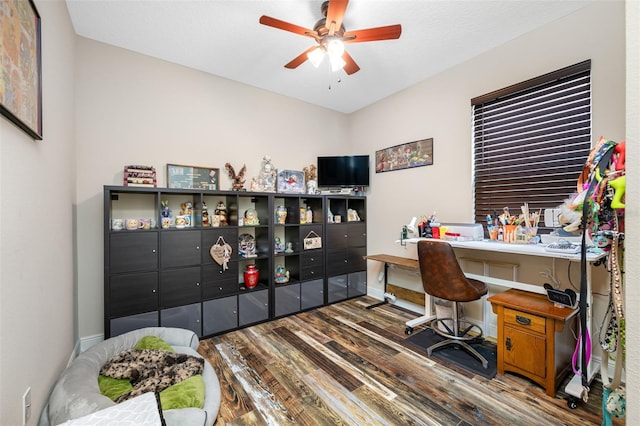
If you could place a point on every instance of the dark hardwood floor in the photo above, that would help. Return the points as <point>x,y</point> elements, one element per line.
<point>345,364</point>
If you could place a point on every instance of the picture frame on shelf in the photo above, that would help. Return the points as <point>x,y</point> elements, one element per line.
<point>193,177</point>
<point>291,182</point>
<point>21,52</point>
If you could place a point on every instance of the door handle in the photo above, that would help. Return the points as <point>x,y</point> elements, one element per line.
<point>507,344</point>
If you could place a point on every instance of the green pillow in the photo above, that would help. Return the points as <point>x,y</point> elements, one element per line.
<point>113,388</point>
<point>153,342</point>
<point>187,393</point>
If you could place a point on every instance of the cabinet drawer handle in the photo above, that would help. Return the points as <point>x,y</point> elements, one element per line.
<point>523,320</point>
<point>153,251</point>
<point>197,284</point>
<point>197,247</point>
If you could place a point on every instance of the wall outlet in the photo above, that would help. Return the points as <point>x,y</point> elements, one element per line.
<point>26,406</point>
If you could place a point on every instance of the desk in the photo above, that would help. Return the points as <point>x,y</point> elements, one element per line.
<point>387,260</point>
<point>574,387</point>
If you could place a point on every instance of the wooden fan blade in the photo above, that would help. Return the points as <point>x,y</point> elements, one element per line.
<point>351,67</point>
<point>335,14</point>
<point>282,25</point>
<point>298,60</point>
<point>373,34</point>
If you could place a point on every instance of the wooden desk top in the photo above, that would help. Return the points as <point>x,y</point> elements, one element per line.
<point>394,260</point>
<point>532,303</point>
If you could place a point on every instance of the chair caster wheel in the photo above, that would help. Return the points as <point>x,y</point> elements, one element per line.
<point>408,330</point>
<point>572,403</point>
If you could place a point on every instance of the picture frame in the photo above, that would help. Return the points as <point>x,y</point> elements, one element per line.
<point>291,182</point>
<point>193,177</point>
<point>405,156</point>
<point>21,53</point>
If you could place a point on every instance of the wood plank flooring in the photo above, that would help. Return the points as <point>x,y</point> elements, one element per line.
<point>347,365</point>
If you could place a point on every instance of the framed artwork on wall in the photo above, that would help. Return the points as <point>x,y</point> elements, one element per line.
<point>21,59</point>
<point>405,156</point>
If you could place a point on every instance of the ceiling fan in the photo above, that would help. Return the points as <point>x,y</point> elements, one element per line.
<point>331,35</point>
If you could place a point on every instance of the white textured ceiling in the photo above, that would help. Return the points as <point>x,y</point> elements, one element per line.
<point>224,38</point>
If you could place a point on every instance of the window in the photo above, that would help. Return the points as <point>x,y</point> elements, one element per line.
<point>530,142</point>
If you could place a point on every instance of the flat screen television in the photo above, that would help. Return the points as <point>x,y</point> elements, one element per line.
<point>343,171</point>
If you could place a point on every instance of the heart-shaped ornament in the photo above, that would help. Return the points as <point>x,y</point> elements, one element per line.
<point>217,253</point>
<point>221,253</point>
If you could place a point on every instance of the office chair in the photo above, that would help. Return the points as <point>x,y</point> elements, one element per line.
<point>443,278</point>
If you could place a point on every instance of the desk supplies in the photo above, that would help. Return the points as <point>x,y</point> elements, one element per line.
<point>563,246</point>
<point>463,232</point>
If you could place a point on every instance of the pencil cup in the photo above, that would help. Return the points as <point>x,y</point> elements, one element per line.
<point>532,235</point>
<point>493,232</point>
<point>509,233</point>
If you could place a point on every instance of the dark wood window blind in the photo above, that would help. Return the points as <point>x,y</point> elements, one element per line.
<point>530,141</point>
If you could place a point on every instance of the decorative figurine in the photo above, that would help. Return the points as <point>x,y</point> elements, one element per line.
<point>255,186</point>
<point>289,248</point>
<point>329,216</point>
<point>303,215</point>
<point>187,208</point>
<point>251,217</point>
<point>205,215</point>
<point>310,177</point>
<point>165,215</point>
<point>221,212</point>
<point>282,275</point>
<point>165,212</point>
<point>281,215</point>
<point>268,175</point>
<point>187,214</point>
<point>247,245</point>
<point>238,179</point>
<point>278,246</point>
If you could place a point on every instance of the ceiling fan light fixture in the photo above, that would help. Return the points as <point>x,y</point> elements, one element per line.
<point>316,56</point>
<point>335,47</point>
<point>337,63</point>
<point>330,35</point>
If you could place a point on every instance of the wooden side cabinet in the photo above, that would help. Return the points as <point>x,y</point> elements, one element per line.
<point>533,340</point>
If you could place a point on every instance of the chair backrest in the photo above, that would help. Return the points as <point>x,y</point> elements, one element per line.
<point>442,276</point>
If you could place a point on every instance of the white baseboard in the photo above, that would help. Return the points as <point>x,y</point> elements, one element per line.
<point>88,341</point>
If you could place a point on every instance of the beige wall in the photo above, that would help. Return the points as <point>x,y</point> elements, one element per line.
<point>134,109</point>
<point>37,200</point>
<point>440,108</point>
